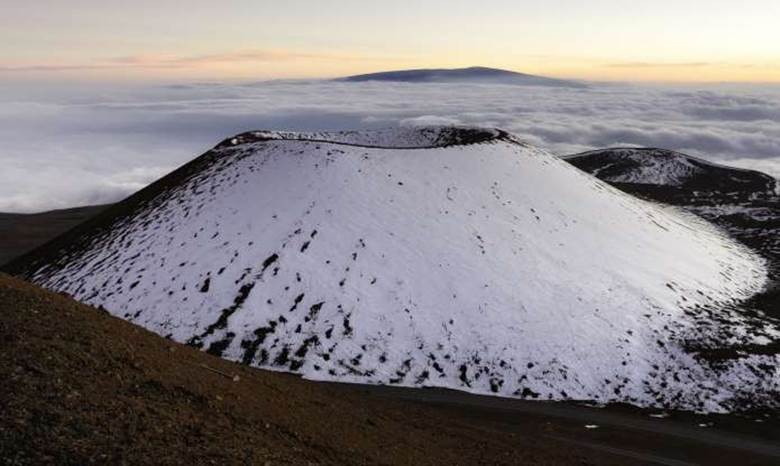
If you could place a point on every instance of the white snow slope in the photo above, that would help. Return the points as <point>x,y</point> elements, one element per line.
<point>429,259</point>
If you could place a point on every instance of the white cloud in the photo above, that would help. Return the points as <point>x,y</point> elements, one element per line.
<point>429,120</point>
<point>64,147</point>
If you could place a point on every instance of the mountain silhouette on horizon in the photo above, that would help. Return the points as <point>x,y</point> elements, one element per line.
<point>474,74</point>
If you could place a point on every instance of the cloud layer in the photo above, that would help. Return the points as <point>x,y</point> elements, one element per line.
<point>62,148</point>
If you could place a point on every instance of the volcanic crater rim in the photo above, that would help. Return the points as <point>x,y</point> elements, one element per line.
<point>405,138</point>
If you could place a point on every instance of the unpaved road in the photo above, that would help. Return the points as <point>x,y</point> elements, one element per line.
<point>633,435</point>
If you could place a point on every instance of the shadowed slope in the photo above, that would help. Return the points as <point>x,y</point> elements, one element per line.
<point>22,233</point>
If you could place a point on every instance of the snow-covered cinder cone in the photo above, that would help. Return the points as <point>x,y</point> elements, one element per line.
<point>449,257</point>
<point>660,167</point>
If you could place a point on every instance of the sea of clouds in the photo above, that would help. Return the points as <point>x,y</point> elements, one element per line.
<point>62,146</point>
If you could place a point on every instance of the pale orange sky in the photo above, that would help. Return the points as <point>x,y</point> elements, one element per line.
<point>664,40</point>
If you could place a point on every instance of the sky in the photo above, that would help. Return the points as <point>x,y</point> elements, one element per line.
<point>163,40</point>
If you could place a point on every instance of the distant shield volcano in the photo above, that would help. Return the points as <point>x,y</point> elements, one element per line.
<point>475,74</point>
<point>451,257</point>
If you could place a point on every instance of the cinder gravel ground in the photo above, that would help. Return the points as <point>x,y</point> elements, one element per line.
<point>78,386</point>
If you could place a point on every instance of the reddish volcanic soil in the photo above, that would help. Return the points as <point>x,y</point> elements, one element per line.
<point>78,386</point>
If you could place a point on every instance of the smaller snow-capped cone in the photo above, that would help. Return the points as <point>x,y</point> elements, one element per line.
<point>451,257</point>
<point>650,166</point>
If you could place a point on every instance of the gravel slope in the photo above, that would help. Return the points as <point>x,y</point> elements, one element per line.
<point>78,386</point>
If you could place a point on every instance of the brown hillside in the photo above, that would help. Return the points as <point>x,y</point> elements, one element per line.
<point>21,233</point>
<point>78,386</point>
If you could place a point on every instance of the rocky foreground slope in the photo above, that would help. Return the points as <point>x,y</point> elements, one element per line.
<point>460,258</point>
<point>81,387</point>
